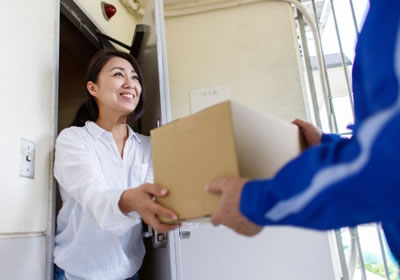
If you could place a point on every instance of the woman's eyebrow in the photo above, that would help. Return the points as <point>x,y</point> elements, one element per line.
<point>118,68</point>
<point>122,69</point>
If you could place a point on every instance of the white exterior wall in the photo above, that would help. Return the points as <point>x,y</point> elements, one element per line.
<point>28,58</point>
<point>28,73</point>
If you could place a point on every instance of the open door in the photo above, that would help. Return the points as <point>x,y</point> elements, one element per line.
<point>162,263</point>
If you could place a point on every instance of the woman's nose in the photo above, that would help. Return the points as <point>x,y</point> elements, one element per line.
<point>129,83</point>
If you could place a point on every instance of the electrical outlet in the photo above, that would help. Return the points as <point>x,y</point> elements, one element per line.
<point>27,161</point>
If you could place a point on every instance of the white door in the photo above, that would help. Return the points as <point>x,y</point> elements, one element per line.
<point>160,263</point>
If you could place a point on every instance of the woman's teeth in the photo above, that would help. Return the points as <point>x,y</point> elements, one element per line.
<point>127,94</point>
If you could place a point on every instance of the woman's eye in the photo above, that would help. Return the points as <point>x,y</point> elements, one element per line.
<point>135,77</point>
<point>118,74</point>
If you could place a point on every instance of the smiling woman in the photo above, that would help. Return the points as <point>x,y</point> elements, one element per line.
<point>117,91</point>
<point>105,177</point>
<point>110,58</point>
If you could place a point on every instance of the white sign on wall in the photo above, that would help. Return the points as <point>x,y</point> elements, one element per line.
<point>206,97</point>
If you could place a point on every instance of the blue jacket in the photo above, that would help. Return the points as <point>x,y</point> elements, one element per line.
<point>345,182</point>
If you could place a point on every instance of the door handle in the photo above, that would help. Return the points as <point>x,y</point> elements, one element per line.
<point>159,240</point>
<point>184,234</point>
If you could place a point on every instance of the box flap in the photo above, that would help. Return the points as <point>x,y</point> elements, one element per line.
<point>264,143</point>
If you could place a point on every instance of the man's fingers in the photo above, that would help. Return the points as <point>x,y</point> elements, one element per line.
<point>300,123</point>
<point>216,218</point>
<point>213,220</point>
<point>215,186</point>
<point>296,121</point>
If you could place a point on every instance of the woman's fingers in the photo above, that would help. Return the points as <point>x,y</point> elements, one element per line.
<point>153,206</point>
<point>161,211</point>
<point>155,190</point>
<point>160,227</point>
<point>152,217</point>
<point>151,210</point>
<point>142,201</point>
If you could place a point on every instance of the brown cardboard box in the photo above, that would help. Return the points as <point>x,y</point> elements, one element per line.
<point>225,140</point>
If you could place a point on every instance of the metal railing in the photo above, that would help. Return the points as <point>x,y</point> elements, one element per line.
<point>348,265</point>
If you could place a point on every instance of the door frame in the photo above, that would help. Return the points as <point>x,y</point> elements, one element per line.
<point>82,22</point>
<point>52,205</point>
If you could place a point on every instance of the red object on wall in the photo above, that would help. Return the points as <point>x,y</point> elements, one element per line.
<point>108,10</point>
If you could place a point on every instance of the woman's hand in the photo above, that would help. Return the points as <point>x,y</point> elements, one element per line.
<point>141,200</point>
<point>312,134</point>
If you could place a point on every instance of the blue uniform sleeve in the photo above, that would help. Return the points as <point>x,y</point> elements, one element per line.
<point>339,183</point>
<point>344,182</point>
<point>329,137</point>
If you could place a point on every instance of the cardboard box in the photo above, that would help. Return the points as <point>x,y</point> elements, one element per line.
<point>226,140</point>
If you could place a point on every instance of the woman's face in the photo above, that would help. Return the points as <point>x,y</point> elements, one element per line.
<point>117,90</point>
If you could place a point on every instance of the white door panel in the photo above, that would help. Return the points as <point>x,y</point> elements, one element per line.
<point>23,258</point>
<point>276,253</point>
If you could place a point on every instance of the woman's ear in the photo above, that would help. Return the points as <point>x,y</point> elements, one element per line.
<point>92,88</point>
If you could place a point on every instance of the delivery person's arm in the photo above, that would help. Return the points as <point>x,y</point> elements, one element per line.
<point>341,182</point>
<point>335,184</point>
<point>338,183</point>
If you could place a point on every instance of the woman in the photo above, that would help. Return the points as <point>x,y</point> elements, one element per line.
<point>103,169</point>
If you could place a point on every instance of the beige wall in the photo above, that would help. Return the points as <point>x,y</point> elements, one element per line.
<point>121,26</point>
<point>27,92</point>
<point>251,49</point>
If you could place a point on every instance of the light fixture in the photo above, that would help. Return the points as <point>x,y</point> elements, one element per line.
<point>134,7</point>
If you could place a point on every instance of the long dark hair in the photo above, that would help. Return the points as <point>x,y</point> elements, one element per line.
<point>89,111</point>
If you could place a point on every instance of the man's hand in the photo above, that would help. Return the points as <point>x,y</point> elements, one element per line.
<point>141,200</point>
<point>312,134</point>
<point>228,213</point>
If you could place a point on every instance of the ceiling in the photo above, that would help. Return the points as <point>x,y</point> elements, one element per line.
<point>320,5</point>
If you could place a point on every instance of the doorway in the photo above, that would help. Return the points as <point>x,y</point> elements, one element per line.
<point>75,53</point>
<point>76,49</point>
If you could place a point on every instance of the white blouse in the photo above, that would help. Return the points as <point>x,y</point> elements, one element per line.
<point>94,239</point>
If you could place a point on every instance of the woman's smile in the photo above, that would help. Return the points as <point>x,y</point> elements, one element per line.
<point>118,88</point>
